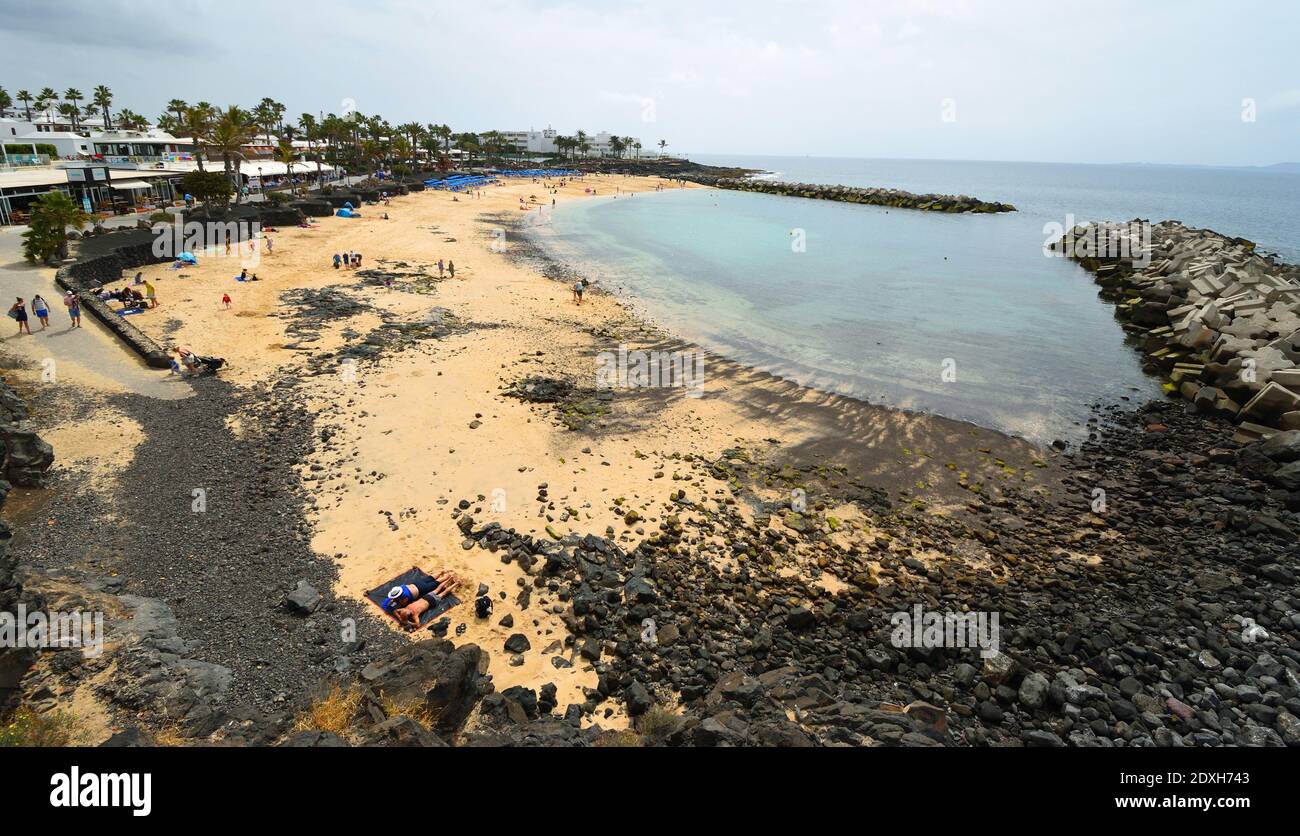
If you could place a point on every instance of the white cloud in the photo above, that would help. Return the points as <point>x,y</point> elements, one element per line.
<point>835,77</point>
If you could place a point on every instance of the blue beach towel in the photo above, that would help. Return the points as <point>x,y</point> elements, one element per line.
<point>379,596</point>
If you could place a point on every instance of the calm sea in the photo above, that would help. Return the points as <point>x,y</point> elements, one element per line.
<point>962,316</point>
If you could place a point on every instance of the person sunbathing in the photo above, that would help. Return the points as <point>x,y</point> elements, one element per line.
<point>410,601</point>
<point>189,361</point>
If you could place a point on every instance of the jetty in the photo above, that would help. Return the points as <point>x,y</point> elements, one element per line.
<point>896,198</point>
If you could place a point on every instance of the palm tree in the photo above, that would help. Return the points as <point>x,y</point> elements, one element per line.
<point>663,143</point>
<point>311,132</point>
<point>103,99</point>
<point>45,99</point>
<point>72,95</point>
<point>47,232</point>
<point>580,142</point>
<point>285,153</point>
<point>197,122</point>
<point>637,145</point>
<point>468,143</point>
<point>178,106</point>
<point>490,142</point>
<point>443,132</point>
<point>26,98</point>
<point>131,120</point>
<point>231,130</point>
<point>413,132</point>
<point>68,111</point>
<point>267,115</point>
<point>332,130</point>
<point>6,102</point>
<point>432,141</point>
<point>616,145</point>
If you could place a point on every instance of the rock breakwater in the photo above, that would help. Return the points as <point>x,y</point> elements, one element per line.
<point>1219,320</point>
<point>896,198</point>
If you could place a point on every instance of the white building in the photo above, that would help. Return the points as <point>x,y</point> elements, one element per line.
<point>90,140</point>
<point>543,142</point>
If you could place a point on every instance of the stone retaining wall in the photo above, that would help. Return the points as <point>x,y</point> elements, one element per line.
<point>319,208</point>
<point>105,268</point>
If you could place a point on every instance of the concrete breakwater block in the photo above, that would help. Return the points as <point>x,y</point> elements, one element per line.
<point>1220,320</point>
<point>1290,378</point>
<point>1272,402</point>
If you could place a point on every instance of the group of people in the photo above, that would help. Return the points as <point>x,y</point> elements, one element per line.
<point>348,261</point>
<point>41,310</point>
<point>133,299</point>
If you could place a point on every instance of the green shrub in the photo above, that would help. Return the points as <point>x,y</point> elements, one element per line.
<point>47,233</point>
<point>26,148</point>
<point>53,728</point>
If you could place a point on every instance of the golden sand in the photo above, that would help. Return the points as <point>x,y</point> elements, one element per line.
<point>418,431</point>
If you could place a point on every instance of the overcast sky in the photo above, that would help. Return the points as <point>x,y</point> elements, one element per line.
<point>1098,81</point>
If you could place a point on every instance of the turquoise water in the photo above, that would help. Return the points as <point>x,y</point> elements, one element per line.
<point>878,305</point>
<point>882,300</point>
<point>1260,204</point>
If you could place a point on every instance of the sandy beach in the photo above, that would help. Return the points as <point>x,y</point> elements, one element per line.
<point>421,431</point>
<point>374,420</point>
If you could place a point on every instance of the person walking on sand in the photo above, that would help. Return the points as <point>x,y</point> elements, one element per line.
<point>19,312</point>
<point>337,260</point>
<point>225,300</point>
<point>270,245</point>
<point>73,304</point>
<point>451,268</point>
<point>578,287</point>
<point>441,268</point>
<point>42,310</point>
<point>151,295</point>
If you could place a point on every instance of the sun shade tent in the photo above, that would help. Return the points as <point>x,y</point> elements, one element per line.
<point>129,185</point>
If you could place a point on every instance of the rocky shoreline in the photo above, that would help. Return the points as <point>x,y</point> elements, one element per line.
<point>216,613</point>
<point>896,198</point>
<point>1166,619</point>
<point>24,458</point>
<point>1218,320</point>
<point>1149,600</point>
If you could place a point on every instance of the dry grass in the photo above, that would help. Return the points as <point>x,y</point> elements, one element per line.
<point>169,735</point>
<point>414,707</point>
<point>25,727</point>
<point>624,739</point>
<point>656,724</point>
<point>334,712</point>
